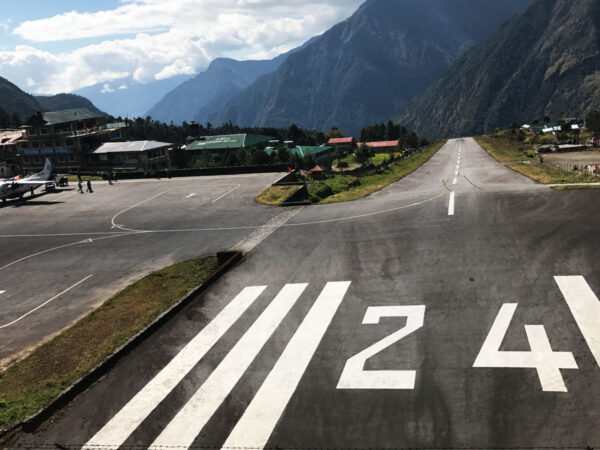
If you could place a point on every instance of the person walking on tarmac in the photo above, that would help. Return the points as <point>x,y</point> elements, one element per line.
<point>79,187</point>
<point>89,186</point>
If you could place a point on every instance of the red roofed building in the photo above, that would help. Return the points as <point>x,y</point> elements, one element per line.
<point>317,172</point>
<point>382,146</point>
<point>342,141</point>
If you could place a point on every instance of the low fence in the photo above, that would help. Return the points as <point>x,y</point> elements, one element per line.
<point>207,171</point>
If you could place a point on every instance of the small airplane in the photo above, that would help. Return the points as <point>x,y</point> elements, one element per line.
<point>17,187</point>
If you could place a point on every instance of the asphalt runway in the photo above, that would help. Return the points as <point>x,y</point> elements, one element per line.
<point>54,241</point>
<point>455,309</point>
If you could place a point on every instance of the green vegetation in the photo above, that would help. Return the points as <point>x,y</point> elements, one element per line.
<point>517,156</point>
<point>276,195</point>
<point>342,188</point>
<point>31,383</point>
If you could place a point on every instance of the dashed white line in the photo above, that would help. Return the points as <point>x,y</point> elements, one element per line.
<point>258,421</point>
<point>455,180</point>
<point>45,303</point>
<point>190,196</point>
<point>120,427</point>
<point>191,419</point>
<point>456,173</point>
<point>451,204</point>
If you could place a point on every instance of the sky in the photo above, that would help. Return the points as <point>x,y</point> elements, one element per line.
<point>54,46</point>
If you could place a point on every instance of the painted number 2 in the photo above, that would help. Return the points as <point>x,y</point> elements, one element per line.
<point>541,357</point>
<point>354,376</point>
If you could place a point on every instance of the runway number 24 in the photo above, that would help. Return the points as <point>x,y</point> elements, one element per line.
<point>581,300</point>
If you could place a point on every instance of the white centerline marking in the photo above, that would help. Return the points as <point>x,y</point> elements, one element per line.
<point>585,307</point>
<point>455,180</point>
<point>258,421</point>
<point>120,427</point>
<point>189,421</point>
<point>2,292</point>
<point>45,303</point>
<point>451,204</point>
<point>226,193</point>
<point>456,173</point>
<point>190,196</point>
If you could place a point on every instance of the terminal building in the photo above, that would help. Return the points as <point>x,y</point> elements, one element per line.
<point>69,137</point>
<point>132,156</point>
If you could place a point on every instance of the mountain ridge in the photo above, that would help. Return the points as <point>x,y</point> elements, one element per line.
<point>544,61</point>
<point>345,80</point>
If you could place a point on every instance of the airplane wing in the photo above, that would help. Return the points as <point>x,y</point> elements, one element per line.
<point>30,182</point>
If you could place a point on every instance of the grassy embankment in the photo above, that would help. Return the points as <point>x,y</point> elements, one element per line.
<point>520,157</point>
<point>276,195</point>
<point>31,383</point>
<point>343,188</point>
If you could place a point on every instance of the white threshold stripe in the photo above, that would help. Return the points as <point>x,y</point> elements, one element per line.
<point>451,204</point>
<point>45,303</point>
<point>120,427</point>
<point>189,421</point>
<point>260,418</point>
<point>585,307</point>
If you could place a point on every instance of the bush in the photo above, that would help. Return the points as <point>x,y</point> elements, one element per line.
<point>530,153</point>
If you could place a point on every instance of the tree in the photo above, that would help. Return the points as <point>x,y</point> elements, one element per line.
<point>334,133</point>
<point>593,123</point>
<point>259,157</point>
<point>179,157</point>
<point>342,165</point>
<point>232,159</point>
<point>283,155</point>
<point>363,155</point>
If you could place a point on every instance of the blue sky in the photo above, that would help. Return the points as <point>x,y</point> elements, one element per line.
<point>52,46</point>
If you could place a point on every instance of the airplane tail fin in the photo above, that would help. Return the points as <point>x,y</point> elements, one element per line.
<point>47,173</point>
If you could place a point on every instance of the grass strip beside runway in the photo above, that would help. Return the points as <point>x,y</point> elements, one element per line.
<point>276,195</point>
<point>508,151</point>
<point>346,187</point>
<point>29,384</point>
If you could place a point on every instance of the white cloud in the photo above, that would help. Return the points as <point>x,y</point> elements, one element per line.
<point>122,87</point>
<point>163,38</point>
<point>106,89</point>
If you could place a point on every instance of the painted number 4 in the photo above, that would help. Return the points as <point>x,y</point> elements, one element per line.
<point>541,357</point>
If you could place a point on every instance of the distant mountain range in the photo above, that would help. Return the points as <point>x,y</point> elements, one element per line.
<point>13,99</point>
<point>545,61</point>
<point>367,68</point>
<point>126,97</point>
<point>200,97</point>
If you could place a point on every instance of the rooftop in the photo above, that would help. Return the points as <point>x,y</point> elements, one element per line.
<point>345,140</point>
<point>381,144</point>
<point>68,115</point>
<point>130,147</point>
<point>229,141</point>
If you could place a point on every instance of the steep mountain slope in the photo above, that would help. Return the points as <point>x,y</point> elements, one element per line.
<point>368,67</point>
<point>543,61</point>
<point>222,79</point>
<point>126,97</point>
<point>200,97</point>
<point>13,99</point>
<point>65,101</point>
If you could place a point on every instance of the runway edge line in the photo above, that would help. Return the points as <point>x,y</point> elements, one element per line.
<point>227,261</point>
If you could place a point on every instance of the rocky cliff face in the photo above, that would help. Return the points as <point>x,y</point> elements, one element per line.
<point>545,61</point>
<point>367,68</point>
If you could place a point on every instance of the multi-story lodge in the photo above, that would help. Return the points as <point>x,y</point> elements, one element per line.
<point>69,137</point>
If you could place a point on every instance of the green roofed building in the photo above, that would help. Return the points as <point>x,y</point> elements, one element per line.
<point>303,150</point>
<point>219,145</point>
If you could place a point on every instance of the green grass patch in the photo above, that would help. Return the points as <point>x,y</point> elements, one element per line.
<point>577,187</point>
<point>343,188</point>
<point>509,151</point>
<point>31,383</point>
<point>276,195</point>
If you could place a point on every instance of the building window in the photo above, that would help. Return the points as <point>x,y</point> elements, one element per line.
<point>45,130</point>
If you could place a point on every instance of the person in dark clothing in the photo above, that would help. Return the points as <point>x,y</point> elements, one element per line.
<point>89,186</point>
<point>79,187</point>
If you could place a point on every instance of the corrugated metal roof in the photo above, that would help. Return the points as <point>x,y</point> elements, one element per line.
<point>303,150</point>
<point>381,144</point>
<point>131,147</point>
<point>68,115</point>
<point>345,140</point>
<point>10,137</point>
<point>229,141</point>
